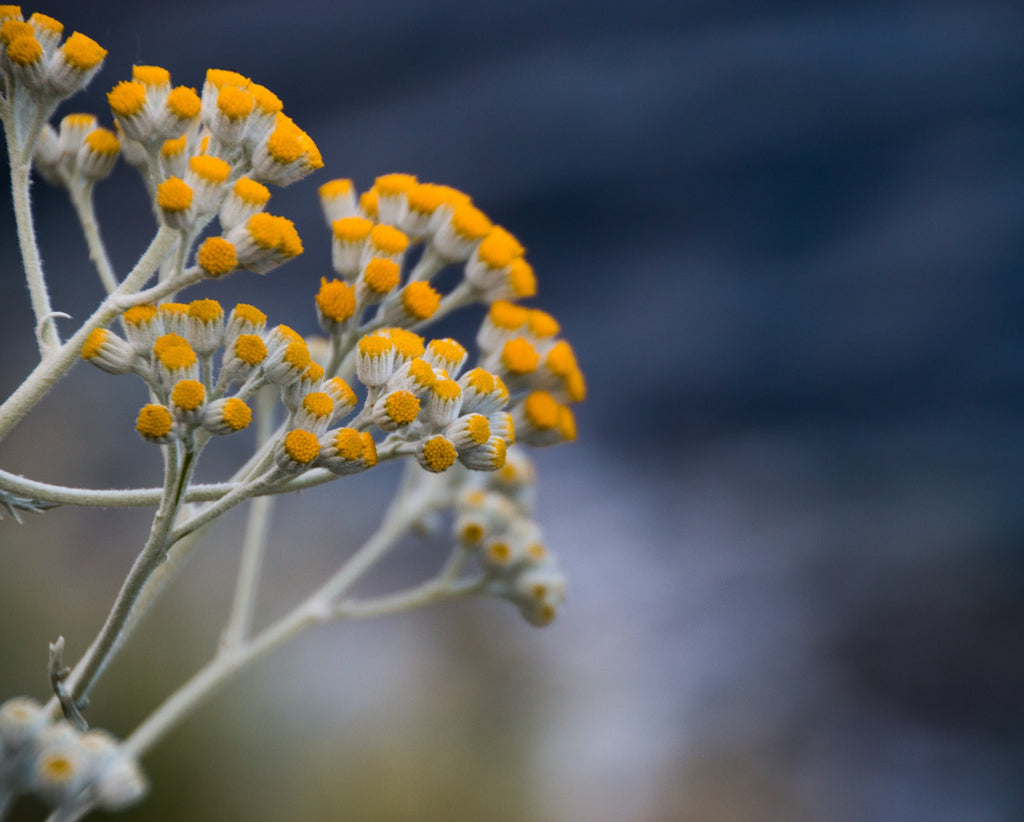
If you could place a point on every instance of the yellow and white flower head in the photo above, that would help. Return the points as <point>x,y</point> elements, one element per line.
<point>395,409</point>
<point>217,257</point>
<point>368,205</point>
<point>541,420</point>
<point>296,451</point>
<point>59,768</point>
<point>175,318</point>
<point>98,154</point>
<point>335,304</point>
<point>503,426</point>
<point>286,365</point>
<point>286,155</point>
<point>314,412</point>
<point>344,397</point>
<point>539,592</point>
<point>74,64</point>
<point>345,451</point>
<point>436,454</point>
<point>468,431</point>
<point>205,326</point>
<point>188,402</point>
<point>447,354</point>
<point>215,80</point>
<point>155,423</point>
<point>415,303</point>
<point>337,200</point>
<point>264,242</point>
<point>561,373</point>
<point>174,156</point>
<point>408,344</point>
<point>422,201</point>
<point>175,197</point>
<point>458,236</point>
<point>25,59</point>
<point>71,133</point>
<point>416,375</point>
<point>385,242</point>
<point>489,456</point>
<point>244,319</point>
<point>127,101</point>
<point>242,356</point>
<point>443,402</point>
<point>517,360</point>
<point>266,107</point>
<point>482,392</point>
<point>22,719</point>
<point>207,177</point>
<point>378,278</point>
<point>226,416</point>
<point>142,325</point>
<point>177,115</point>
<point>174,360</point>
<point>350,235</point>
<point>504,321</point>
<point>391,196</point>
<point>375,360</point>
<point>310,381</point>
<point>108,352</point>
<point>228,117</point>
<point>488,265</point>
<point>541,327</point>
<point>245,199</point>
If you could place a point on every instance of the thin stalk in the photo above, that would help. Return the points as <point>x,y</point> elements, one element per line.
<point>45,375</point>
<point>82,200</point>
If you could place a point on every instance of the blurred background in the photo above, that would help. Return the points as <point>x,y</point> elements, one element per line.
<point>786,241</point>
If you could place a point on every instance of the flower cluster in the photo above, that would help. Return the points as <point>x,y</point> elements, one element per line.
<point>492,521</point>
<point>59,764</point>
<point>33,58</point>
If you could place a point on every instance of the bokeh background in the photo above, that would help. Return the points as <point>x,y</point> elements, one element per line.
<point>786,240</point>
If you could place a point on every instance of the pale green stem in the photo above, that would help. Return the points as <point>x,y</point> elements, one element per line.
<point>114,633</point>
<point>82,200</point>
<point>243,605</point>
<point>317,609</point>
<point>45,375</point>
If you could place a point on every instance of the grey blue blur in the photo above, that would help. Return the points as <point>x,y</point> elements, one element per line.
<point>787,243</point>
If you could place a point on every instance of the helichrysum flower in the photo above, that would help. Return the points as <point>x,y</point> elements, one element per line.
<point>297,451</point>
<point>107,351</point>
<point>244,199</point>
<point>349,234</point>
<point>337,199</point>
<point>336,304</point>
<point>226,416</point>
<point>264,242</point>
<point>436,454</point>
<point>155,423</point>
<point>346,451</point>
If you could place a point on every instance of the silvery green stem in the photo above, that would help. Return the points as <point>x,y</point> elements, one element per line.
<point>82,200</point>
<point>45,375</point>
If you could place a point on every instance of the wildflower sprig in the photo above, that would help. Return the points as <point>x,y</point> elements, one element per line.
<point>376,388</point>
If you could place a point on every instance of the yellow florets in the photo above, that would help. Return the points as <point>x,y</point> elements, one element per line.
<point>422,373</point>
<point>278,233</point>
<point>94,343</point>
<point>446,389</point>
<point>560,359</point>
<point>151,75</point>
<point>236,414</point>
<point>297,355</point>
<point>209,169</point>
<point>521,278</point>
<point>235,103</point>
<point>45,23</point>
<point>217,257</point>
<point>499,248</point>
<point>183,102</point>
<point>336,300</point>
<point>223,77</point>
<point>421,300</point>
<point>381,275</point>
<point>542,324</point>
<point>25,50</point>
<point>154,421</point>
<point>481,380</point>
<point>566,423</point>
<point>402,407</point>
<point>127,98</point>
<point>349,443</point>
<point>393,184</point>
<point>318,404</point>
<point>408,344</point>
<point>518,356</point>
<point>438,454</point>
<point>368,202</point>
<point>335,188</point>
<point>176,357</point>
<point>173,195</point>
<point>251,192</point>
<point>103,141</point>
<point>11,29</point>
<point>168,341</point>
<point>250,314</point>
<point>351,229</point>
<point>542,410</point>
<point>140,314</point>
<point>506,315</point>
<point>188,394</point>
<point>478,428</point>
<point>388,240</point>
<point>250,349</point>
<point>343,391</point>
<point>469,222</point>
<point>447,353</point>
<point>266,101</point>
<point>302,446</point>
<point>171,148</point>
<point>206,311</point>
<point>369,449</point>
<point>82,53</point>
